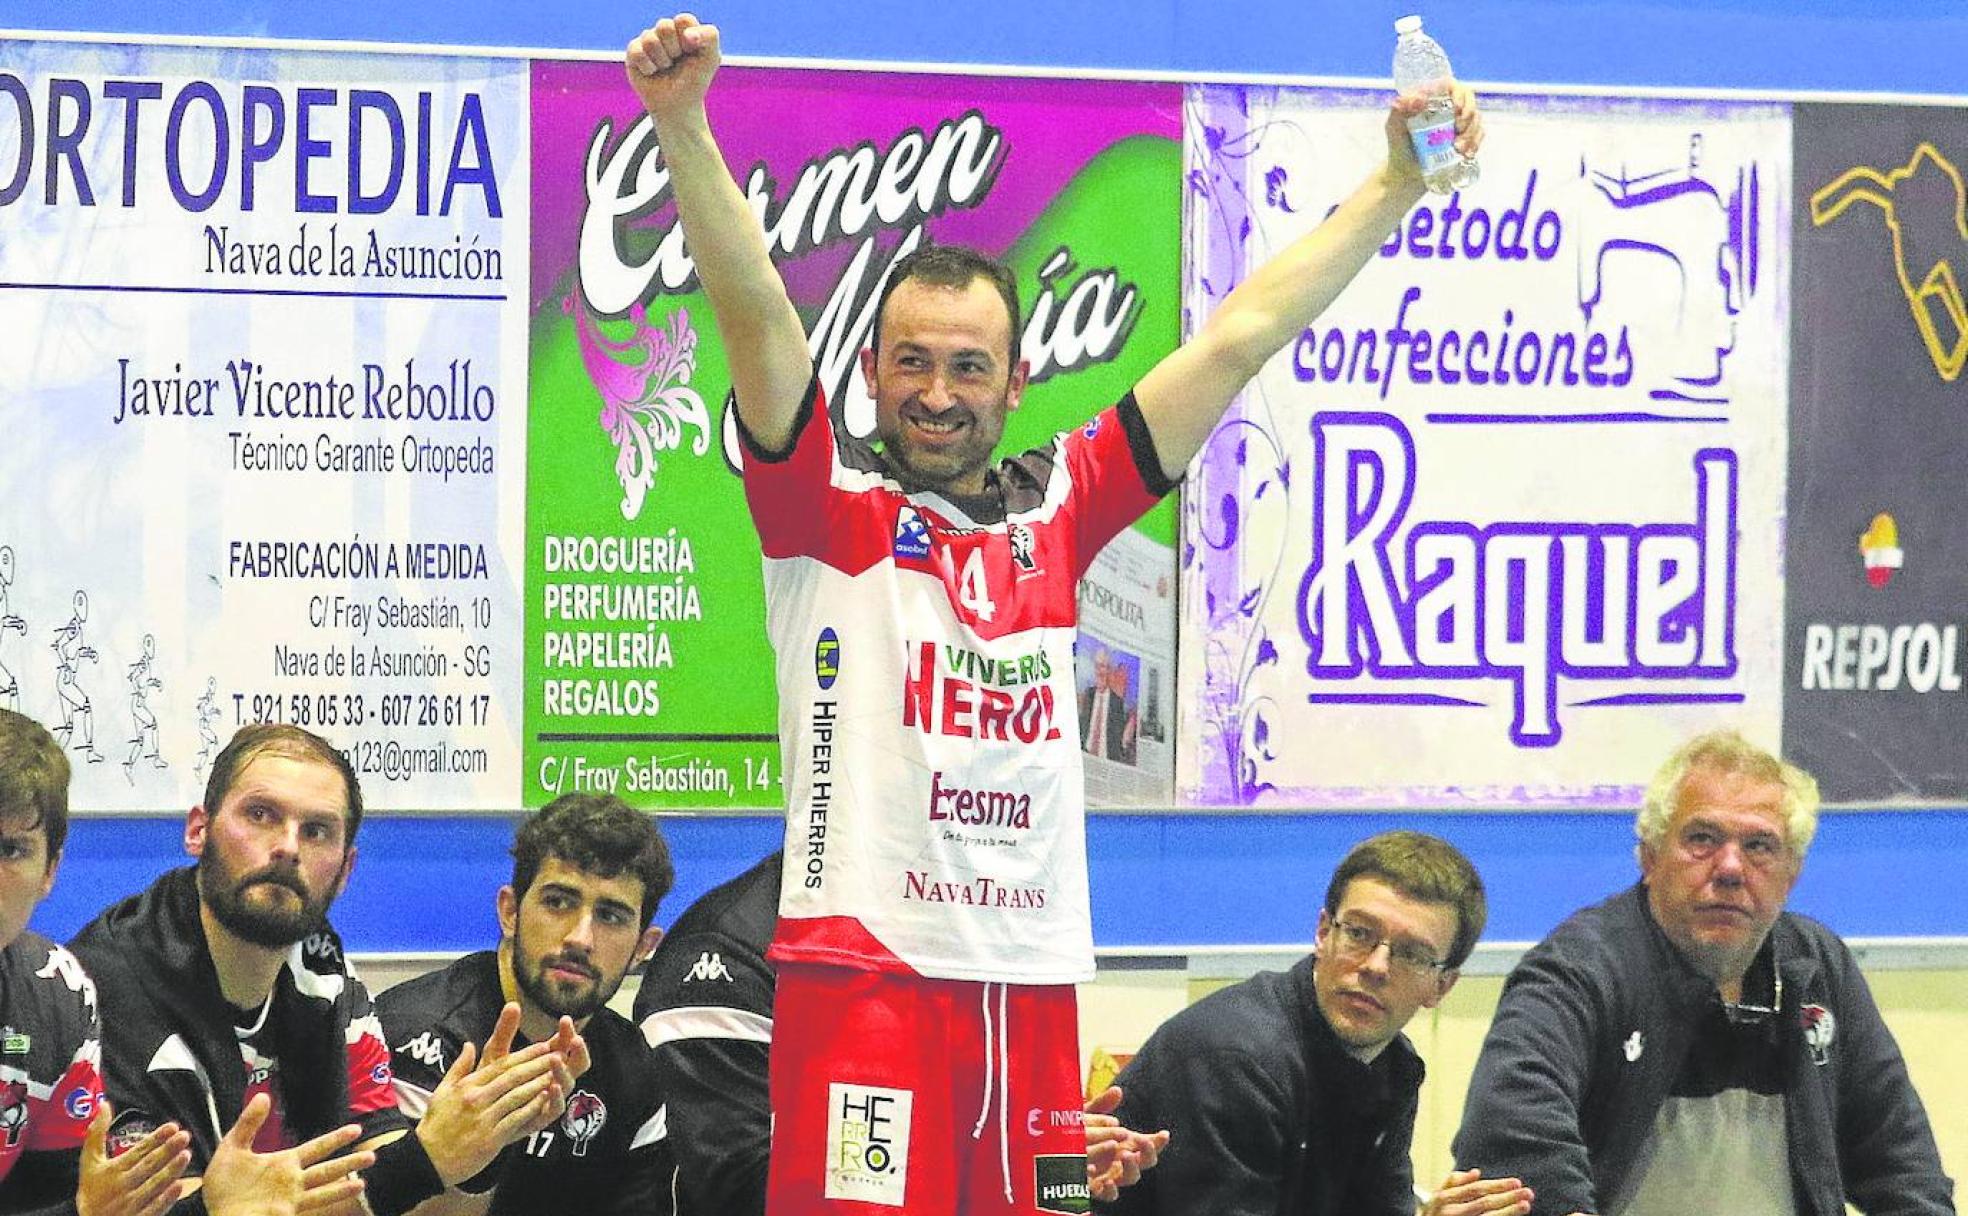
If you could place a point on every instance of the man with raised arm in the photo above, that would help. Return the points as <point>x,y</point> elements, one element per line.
<point>934,912</point>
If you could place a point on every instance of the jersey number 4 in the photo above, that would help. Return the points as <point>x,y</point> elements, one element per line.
<point>973,590</point>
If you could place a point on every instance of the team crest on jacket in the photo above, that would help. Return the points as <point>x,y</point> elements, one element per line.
<point>1820,1028</point>
<point>13,1113</point>
<point>1021,547</point>
<point>911,533</point>
<point>127,1131</point>
<point>582,1122</point>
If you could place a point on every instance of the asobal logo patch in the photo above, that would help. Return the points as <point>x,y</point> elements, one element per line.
<point>868,1144</point>
<point>1059,1183</point>
<point>911,533</point>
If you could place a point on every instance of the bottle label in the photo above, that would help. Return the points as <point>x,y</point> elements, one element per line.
<point>1435,147</point>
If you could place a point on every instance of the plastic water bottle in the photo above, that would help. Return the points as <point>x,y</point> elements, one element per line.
<point>1421,66</point>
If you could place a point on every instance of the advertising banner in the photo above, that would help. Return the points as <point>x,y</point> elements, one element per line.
<point>647,668</point>
<point>1505,523</point>
<point>1877,587</point>
<point>264,401</point>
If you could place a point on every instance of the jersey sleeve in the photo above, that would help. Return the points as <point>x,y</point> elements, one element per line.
<point>420,1050</point>
<point>786,491</point>
<point>422,1045</point>
<point>1887,1156</point>
<point>707,1017</point>
<point>59,1120</point>
<point>1227,1115</point>
<point>413,1080</point>
<point>1115,473</point>
<point>63,1119</point>
<point>1525,1114</point>
<point>50,1079</point>
<point>371,1088</point>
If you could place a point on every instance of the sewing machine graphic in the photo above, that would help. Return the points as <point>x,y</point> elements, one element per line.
<point>1708,232</point>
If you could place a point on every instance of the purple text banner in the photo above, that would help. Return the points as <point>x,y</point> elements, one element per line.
<point>1504,524</point>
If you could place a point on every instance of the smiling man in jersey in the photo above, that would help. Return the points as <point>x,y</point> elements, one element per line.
<point>588,874</point>
<point>934,912</point>
<point>224,981</point>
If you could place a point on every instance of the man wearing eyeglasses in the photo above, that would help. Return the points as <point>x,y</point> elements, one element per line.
<point>1689,1046</point>
<point>1296,1093</point>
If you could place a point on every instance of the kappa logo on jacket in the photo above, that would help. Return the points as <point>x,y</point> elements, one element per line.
<point>709,966</point>
<point>63,966</point>
<point>426,1049</point>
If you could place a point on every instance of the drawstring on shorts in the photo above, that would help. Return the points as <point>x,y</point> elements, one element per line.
<point>1002,1042</point>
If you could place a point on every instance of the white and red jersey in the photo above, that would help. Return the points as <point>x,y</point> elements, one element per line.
<point>50,1051</point>
<point>935,804</point>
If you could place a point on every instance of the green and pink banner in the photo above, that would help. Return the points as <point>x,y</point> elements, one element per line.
<point>647,670</point>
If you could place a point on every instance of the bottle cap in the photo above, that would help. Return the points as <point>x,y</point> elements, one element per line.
<point>1408,25</point>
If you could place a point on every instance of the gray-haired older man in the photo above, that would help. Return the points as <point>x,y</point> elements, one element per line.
<point>1688,1045</point>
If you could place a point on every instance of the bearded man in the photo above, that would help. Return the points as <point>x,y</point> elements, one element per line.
<point>223,981</point>
<point>588,874</point>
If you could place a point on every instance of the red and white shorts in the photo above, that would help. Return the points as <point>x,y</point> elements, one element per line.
<point>933,1097</point>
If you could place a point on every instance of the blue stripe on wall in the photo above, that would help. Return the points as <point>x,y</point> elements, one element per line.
<point>1187,879</point>
<point>1903,46</point>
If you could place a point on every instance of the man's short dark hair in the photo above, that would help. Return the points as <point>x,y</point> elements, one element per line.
<point>955,267</point>
<point>1424,868</point>
<point>600,835</point>
<point>278,739</point>
<point>34,776</point>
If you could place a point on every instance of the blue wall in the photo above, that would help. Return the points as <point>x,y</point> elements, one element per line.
<point>1166,879</point>
<point>427,883</point>
<point>1910,46</point>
